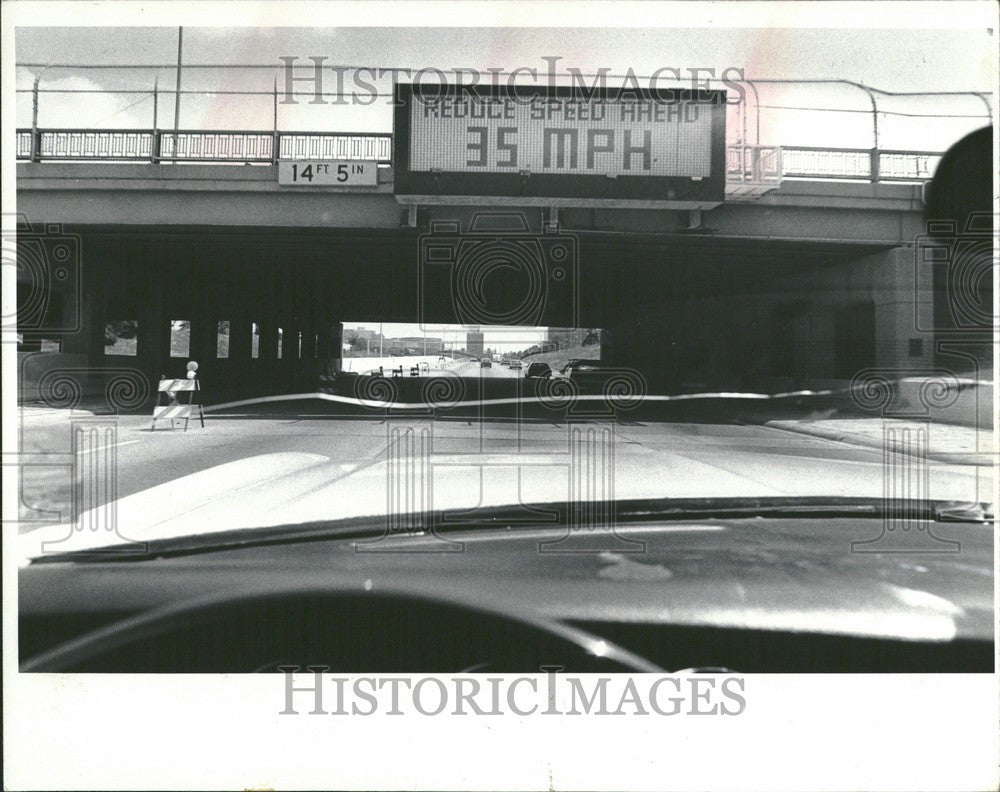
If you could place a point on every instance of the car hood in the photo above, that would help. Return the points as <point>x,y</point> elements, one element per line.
<point>282,489</point>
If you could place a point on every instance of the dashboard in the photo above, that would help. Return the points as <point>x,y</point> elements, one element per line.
<point>750,597</point>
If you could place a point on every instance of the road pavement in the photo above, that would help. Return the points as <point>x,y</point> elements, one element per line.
<point>130,457</point>
<point>133,457</point>
<point>471,369</point>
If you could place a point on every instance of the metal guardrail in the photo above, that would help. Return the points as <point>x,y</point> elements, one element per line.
<point>872,165</point>
<point>318,145</point>
<point>830,129</point>
<point>758,165</point>
<point>221,146</point>
<point>197,146</point>
<point>753,164</point>
<point>762,165</point>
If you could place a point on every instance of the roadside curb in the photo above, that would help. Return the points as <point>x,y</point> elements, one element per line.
<point>851,438</point>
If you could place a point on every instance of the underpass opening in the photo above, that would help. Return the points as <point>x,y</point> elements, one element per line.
<point>462,350</point>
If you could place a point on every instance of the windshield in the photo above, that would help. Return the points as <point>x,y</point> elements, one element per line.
<point>457,361</point>
<point>510,294</point>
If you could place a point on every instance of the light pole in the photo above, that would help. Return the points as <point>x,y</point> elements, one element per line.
<point>177,93</point>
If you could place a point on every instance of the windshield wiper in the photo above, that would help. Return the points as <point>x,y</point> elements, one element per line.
<point>812,506</point>
<point>542,516</point>
<point>963,512</point>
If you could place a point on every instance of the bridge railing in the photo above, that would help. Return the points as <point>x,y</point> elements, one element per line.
<point>197,146</point>
<point>873,165</point>
<point>745,164</point>
<point>829,129</point>
<point>263,113</point>
<point>753,164</point>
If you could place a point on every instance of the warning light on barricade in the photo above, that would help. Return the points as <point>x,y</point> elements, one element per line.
<point>192,367</point>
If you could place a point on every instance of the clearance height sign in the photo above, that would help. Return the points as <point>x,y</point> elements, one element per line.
<point>554,143</point>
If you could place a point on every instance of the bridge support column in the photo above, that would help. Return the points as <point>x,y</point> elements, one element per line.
<point>153,343</point>
<point>310,365</point>
<point>204,341</point>
<point>899,286</point>
<point>89,338</point>
<point>263,376</point>
<point>238,366</point>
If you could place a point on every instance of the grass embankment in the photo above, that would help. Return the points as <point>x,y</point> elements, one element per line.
<point>558,358</point>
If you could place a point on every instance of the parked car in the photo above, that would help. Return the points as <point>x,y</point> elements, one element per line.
<point>514,364</point>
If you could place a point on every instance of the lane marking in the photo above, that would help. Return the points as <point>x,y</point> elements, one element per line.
<point>106,447</point>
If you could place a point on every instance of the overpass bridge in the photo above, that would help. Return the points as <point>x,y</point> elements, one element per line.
<point>200,195</point>
<point>813,251</point>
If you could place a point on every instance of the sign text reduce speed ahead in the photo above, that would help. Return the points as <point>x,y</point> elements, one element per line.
<point>562,136</point>
<point>673,136</point>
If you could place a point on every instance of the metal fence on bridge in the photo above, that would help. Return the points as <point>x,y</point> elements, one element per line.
<point>819,129</point>
<point>194,146</point>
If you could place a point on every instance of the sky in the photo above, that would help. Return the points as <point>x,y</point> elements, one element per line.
<point>889,59</point>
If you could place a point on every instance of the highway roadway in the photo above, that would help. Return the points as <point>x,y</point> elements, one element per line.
<point>471,369</point>
<point>453,366</point>
<point>141,458</point>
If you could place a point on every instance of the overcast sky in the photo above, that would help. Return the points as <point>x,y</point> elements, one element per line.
<point>891,59</point>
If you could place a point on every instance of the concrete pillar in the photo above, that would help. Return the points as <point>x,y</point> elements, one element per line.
<point>204,327</point>
<point>89,338</point>
<point>154,337</point>
<point>240,340</point>
<point>268,343</point>
<point>289,364</point>
<point>899,287</point>
<point>240,337</point>
<point>324,343</point>
<point>335,340</point>
<point>310,365</point>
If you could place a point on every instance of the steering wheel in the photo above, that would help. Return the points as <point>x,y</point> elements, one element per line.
<point>340,629</point>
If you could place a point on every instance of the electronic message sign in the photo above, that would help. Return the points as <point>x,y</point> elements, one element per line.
<point>550,143</point>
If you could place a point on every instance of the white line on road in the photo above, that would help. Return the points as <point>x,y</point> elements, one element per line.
<point>106,447</point>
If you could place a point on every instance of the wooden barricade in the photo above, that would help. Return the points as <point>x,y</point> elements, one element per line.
<point>170,403</point>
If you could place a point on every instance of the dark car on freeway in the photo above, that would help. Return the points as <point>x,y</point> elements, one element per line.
<point>542,370</point>
<point>590,374</point>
